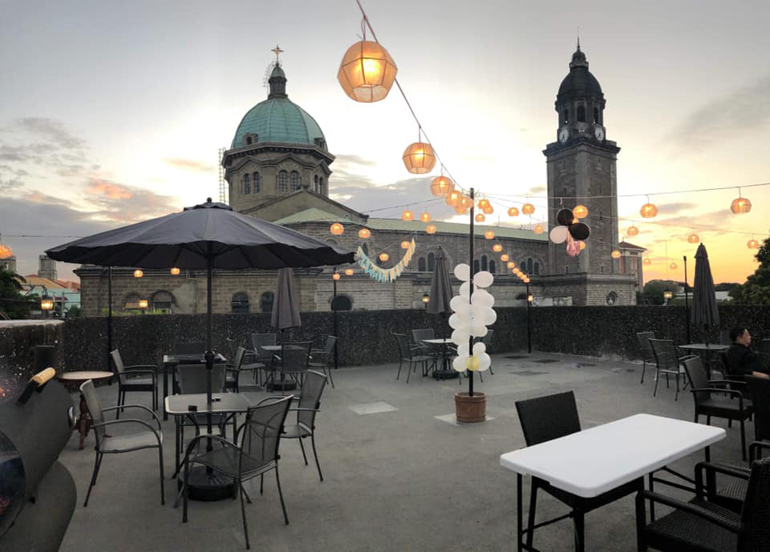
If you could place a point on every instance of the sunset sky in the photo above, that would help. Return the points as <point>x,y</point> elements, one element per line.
<point>112,112</point>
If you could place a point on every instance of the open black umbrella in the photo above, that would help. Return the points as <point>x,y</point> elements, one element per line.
<point>705,313</point>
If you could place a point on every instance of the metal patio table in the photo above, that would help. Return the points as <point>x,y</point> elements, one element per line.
<point>170,362</point>
<point>706,351</point>
<point>446,371</point>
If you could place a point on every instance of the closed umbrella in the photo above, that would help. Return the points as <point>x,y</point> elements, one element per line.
<point>285,303</point>
<point>705,313</point>
<point>438,303</point>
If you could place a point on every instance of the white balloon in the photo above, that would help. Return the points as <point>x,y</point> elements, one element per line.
<point>478,348</point>
<point>463,272</point>
<point>478,328</point>
<point>459,363</point>
<point>465,290</point>
<point>484,298</point>
<point>484,362</point>
<point>458,303</point>
<point>454,321</point>
<point>462,350</point>
<point>460,336</point>
<point>489,316</point>
<point>483,279</point>
<point>559,234</point>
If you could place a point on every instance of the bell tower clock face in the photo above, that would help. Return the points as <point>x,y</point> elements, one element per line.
<point>599,133</point>
<point>563,135</point>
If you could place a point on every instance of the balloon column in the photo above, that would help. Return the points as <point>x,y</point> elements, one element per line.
<point>473,312</point>
<point>571,230</point>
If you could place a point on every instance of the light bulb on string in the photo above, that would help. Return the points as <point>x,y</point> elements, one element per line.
<point>752,244</point>
<point>616,254</point>
<point>497,248</point>
<point>489,235</point>
<point>693,238</point>
<point>364,233</point>
<point>632,231</point>
<point>505,257</point>
<point>405,244</point>
<point>336,229</point>
<point>528,209</point>
<point>538,229</point>
<point>480,217</point>
<point>580,211</point>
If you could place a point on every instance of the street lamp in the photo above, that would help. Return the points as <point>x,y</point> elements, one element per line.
<point>46,304</point>
<point>143,304</point>
<point>667,294</point>
<point>426,299</point>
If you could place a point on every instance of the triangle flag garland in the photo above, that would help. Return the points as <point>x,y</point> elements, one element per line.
<point>385,275</point>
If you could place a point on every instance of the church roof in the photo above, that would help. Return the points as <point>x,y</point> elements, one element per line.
<point>579,83</point>
<point>631,246</point>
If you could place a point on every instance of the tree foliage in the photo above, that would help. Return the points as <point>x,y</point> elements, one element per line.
<point>12,302</point>
<point>756,289</point>
<point>653,291</point>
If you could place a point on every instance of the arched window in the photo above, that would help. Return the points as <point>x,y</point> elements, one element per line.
<point>523,265</point>
<point>566,269</point>
<point>484,262</point>
<point>475,266</point>
<point>246,184</point>
<point>321,185</point>
<point>248,140</point>
<point>162,301</point>
<point>566,116</point>
<point>492,266</point>
<point>240,303</point>
<point>315,182</point>
<point>131,304</point>
<point>529,265</point>
<point>257,183</point>
<point>596,114</point>
<point>266,302</point>
<point>421,264</point>
<point>294,180</point>
<point>431,262</point>
<point>342,303</point>
<point>581,114</point>
<point>283,181</point>
<point>537,268</point>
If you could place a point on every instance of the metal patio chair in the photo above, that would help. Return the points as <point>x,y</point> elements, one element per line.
<point>135,378</point>
<point>323,359</point>
<point>412,356</point>
<point>668,361</point>
<point>309,405</point>
<point>646,349</point>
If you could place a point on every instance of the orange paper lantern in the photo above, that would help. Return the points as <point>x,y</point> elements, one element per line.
<point>425,216</point>
<point>364,233</point>
<point>5,251</point>
<point>632,231</point>
<point>528,209</point>
<point>419,158</point>
<point>693,238</point>
<point>431,229</point>
<point>538,229</point>
<point>580,211</point>
<point>480,217</point>
<point>673,266</point>
<point>384,257</point>
<point>348,272</point>
<point>615,254</point>
<point>367,72</point>
<point>752,244</point>
<point>407,215</point>
<point>511,264</point>
<point>647,261</point>
<point>138,273</point>
<point>336,276</point>
<point>336,229</point>
<point>505,257</point>
<point>175,271</point>
<point>513,212</point>
<point>648,210</point>
<point>497,248</point>
<point>489,235</point>
<point>441,186</point>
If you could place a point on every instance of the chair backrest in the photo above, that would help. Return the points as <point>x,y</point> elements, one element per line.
<point>331,341</point>
<point>310,398</point>
<point>487,339</point>
<point>724,337</point>
<point>262,432</point>
<point>189,348</point>
<point>193,378</point>
<point>665,354</point>
<point>403,346</point>
<point>95,408</point>
<point>550,417</point>
<point>118,361</point>
<point>295,356</point>
<point>756,508</point>
<point>759,389</point>
<point>419,335</point>
<point>238,360</point>
<point>260,339</point>
<point>644,343</point>
<point>696,373</point>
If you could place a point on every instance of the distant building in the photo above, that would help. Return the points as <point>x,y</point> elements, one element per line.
<point>65,294</point>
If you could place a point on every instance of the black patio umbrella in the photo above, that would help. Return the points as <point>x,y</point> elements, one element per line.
<point>704,302</point>
<point>285,302</point>
<point>440,287</point>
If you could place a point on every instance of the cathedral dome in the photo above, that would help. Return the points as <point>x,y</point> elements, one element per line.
<point>579,83</point>
<point>278,119</point>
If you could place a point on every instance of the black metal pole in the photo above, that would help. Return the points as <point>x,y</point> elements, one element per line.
<point>209,338</point>
<point>109,318</point>
<point>334,318</point>
<point>529,324</point>
<point>686,301</point>
<point>470,294</point>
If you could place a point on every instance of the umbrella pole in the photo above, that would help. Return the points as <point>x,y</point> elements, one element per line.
<point>470,295</point>
<point>686,302</point>
<point>109,319</point>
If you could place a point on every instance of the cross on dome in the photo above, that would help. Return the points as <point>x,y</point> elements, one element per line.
<point>277,51</point>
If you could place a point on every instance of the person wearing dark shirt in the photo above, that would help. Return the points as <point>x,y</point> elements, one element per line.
<point>742,360</point>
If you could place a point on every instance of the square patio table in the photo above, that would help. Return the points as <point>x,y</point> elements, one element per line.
<point>170,362</point>
<point>602,458</point>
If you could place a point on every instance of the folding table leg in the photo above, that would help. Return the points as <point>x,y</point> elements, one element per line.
<point>578,518</point>
<point>519,514</point>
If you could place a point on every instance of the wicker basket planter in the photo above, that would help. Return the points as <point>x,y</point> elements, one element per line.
<point>471,409</point>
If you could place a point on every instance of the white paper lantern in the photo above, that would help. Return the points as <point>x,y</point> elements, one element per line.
<point>463,272</point>
<point>483,279</point>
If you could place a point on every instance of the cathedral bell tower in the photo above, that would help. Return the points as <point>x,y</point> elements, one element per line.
<point>582,171</point>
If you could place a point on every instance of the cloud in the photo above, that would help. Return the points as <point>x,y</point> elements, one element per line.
<point>189,165</point>
<point>53,129</point>
<point>733,114</point>
<point>123,203</point>
<point>10,184</point>
<point>537,189</point>
<point>676,207</point>
<point>108,189</point>
<point>346,160</point>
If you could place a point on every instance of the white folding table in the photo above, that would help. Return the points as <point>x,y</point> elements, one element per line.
<point>602,458</point>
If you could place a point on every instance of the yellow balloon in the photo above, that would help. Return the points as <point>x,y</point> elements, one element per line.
<point>472,363</point>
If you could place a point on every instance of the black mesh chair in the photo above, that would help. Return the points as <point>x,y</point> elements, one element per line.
<point>193,380</point>
<point>135,378</point>
<point>309,405</point>
<point>322,359</point>
<point>255,454</point>
<point>759,391</point>
<point>237,367</point>
<point>547,418</point>
<point>150,438</point>
<point>259,340</point>
<point>412,356</point>
<point>293,362</point>
<point>707,402</point>
<point>701,526</point>
<point>645,349</point>
<point>668,361</point>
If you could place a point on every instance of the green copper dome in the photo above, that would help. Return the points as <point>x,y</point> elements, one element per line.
<point>277,119</point>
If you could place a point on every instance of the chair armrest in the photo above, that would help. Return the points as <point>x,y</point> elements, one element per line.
<point>725,469</point>
<point>127,406</point>
<point>206,436</point>
<point>132,421</point>
<point>719,390</point>
<point>152,373</point>
<point>304,409</point>
<point>727,382</point>
<point>693,509</point>
<point>757,446</point>
<point>141,367</point>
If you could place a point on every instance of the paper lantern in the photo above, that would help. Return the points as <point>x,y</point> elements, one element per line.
<point>740,205</point>
<point>752,244</point>
<point>364,233</point>
<point>497,248</point>
<point>336,229</point>
<point>405,244</point>
<point>528,209</point>
<point>513,212</point>
<point>480,217</point>
<point>466,202</point>
<point>384,256</point>
<point>175,271</point>
<point>489,235</point>
<point>580,211</point>
<point>582,245</point>
<point>425,216</point>
<point>431,229</point>
<point>453,198</point>
<point>336,276</point>
<point>538,229</point>
<point>367,72</point>
<point>693,238</point>
<point>510,264</point>
<point>348,272</point>
<point>488,210</point>
<point>407,215</point>
<point>138,273</point>
<point>632,231</point>
<point>5,251</point>
<point>615,254</point>
<point>460,210</point>
<point>647,261</point>
<point>505,257</point>
<point>441,186</point>
<point>483,203</point>
<point>143,303</point>
<point>419,158</point>
<point>673,266</point>
<point>648,210</point>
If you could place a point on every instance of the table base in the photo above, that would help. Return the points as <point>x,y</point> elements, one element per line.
<point>445,374</point>
<point>208,487</point>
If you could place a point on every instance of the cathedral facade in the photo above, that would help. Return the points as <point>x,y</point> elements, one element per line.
<point>278,168</point>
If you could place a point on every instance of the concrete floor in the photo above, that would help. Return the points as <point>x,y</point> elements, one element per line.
<point>400,477</point>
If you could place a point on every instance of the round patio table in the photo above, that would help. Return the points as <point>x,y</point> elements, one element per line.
<point>446,371</point>
<point>705,350</point>
<point>79,378</point>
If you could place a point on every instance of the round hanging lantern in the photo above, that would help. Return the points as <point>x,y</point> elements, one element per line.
<point>582,245</point>
<point>488,210</point>
<point>693,238</point>
<point>505,257</point>
<point>740,205</point>
<point>632,231</point>
<point>511,264</point>
<point>138,273</point>
<point>673,266</point>
<point>5,251</point>
<point>425,216</point>
<point>480,217</point>
<point>431,229</point>
<point>538,229</point>
<point>489,235</point>
<point>441,186</point>
<point>175,271</point>
<point>384,256</point>
<point>336,276</point>
<point>513,212</point>
<point>419,158</point>
<point>466,203</point>
<point>453,198</point>
<point>528,209</point>
<point>580,211</point>
<point>367,72</point>
<point>348,272</point>
<point>615,254</point>
<point>405,244</point>
<point>364,233</point>
<point>497,248</point>
<point>752,244</point>
<point>648,210</point>
<point>460,210</point>
<point>407,215</point>
<point>336,229</point>
<point>647,261</point>
<point>483,204</point>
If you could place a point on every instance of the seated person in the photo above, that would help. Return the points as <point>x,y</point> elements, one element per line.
<point>742,360</point>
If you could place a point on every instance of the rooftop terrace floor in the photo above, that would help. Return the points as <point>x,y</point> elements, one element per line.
<point>403,476</point>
